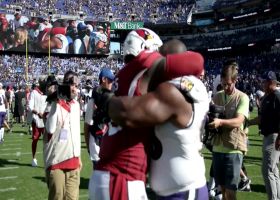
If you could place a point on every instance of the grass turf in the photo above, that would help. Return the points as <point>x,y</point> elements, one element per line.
<point>18,180</point>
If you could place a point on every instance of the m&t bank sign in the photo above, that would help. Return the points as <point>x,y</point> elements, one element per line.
<point>126,25</point>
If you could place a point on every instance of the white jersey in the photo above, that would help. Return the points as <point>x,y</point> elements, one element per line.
<point>65,44</point>
<point>86,97</point>
<point>181,166</point>
<point>2,101</point>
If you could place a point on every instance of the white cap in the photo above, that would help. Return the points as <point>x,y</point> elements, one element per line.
<point>260,94</point>
<point>89,27</point>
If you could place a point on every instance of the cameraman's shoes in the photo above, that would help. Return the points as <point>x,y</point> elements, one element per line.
<point>34,162</point>
<point>244,185</point>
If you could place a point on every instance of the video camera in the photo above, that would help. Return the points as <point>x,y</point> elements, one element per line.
<point>215,111</point>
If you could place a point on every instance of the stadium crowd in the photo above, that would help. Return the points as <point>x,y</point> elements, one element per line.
<point>251,67</point>
<point>39,34</point>
<point>158,11</point>
<point>236,37</point>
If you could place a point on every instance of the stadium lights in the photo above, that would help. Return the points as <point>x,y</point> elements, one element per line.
<point>219,49</point>
<point>267,10</point>
<point>277,40</point>
<point>222,19</point>
<point>251,44</point>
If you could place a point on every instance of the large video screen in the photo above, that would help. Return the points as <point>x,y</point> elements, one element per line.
<point>19,33</point>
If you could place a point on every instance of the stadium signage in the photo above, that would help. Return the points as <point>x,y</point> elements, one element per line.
<point>126,25</point>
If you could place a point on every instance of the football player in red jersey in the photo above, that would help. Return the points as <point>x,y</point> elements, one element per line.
<point>121,170</point>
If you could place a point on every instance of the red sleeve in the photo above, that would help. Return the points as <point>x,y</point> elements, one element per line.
<point>147,58</point>
<point>58,30</point>
<point>187,63</point>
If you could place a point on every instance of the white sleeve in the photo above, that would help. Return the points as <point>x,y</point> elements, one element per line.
<point>52,119</point>
<point>89,112</point>
<point>31,102</point>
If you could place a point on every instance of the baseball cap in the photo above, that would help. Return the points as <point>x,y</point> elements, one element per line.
<point>82,26</point>
<point>89,27</point>
<point>99,27</point>
<point>107,73</point>
<point>269,76</point>
<point>259,94</point>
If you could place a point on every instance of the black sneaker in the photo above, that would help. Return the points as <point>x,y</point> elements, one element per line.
<point>244,184</point>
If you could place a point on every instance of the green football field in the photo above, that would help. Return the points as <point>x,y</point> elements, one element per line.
<point>18,180</point>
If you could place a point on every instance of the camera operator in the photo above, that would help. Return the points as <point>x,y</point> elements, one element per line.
<point>62,151</point>
<point>229,144</point>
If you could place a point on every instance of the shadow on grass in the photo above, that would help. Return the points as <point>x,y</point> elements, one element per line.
<point>84,183</point>
<point>258,188</point>
<point>19,132</point>
<point>5,163</point>
<point>41,178</point>
<point>255,140</point>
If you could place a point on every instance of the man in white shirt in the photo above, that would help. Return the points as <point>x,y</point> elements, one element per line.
<point>18,21</point>
<point>37,105</point>
<point>62,143</point>
<point>2,112</point>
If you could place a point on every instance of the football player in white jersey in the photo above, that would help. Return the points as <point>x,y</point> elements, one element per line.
<point>178,110</point>
<point>3,103</point>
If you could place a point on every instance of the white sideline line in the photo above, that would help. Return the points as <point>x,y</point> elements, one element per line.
<point>17,144</point>
<point>18,153</point>
<point>255,176</point>
<point>8,177</point>
<point>251,165</point>
<point>14,134</point>
<point>12,160</point>
<point>10,149</point>
<point>7,168</point>
<point>8,189</point>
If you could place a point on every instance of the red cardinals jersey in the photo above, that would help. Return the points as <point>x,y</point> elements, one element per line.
<point>125,151</point>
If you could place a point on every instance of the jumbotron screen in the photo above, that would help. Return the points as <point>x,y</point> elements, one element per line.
<point>19,33</point>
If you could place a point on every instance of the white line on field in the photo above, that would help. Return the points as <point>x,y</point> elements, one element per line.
<point>12,160</point>
<point>12,141</point>
<point>256,177</point>
<point>8,189</point>
<point>10,149</point>
<point>18,153</point>
<point>8,177</point>
<point>7,168</point>
<point>11,135</point>
<point>252,165</point>
<point>17,144</point>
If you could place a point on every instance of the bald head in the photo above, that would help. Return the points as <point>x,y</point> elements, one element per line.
<point>173,46</point>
